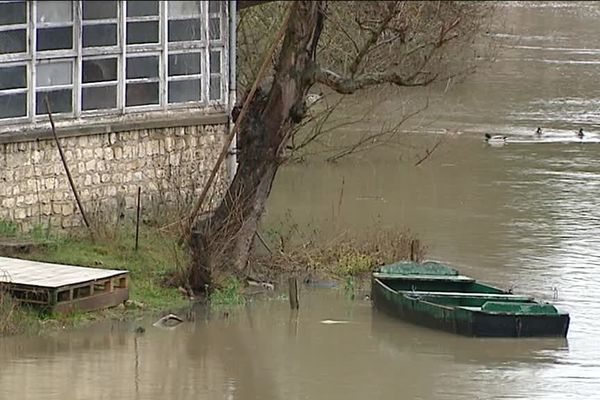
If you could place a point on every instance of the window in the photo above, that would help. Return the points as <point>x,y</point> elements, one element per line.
<point>142,22</point>
<point>13,91</point>
<point>99,24</point>
<point>142,80</point>
<point>99,82</point>
<point>13,27</point>
<point>113,56</point>
<point>185,77</point>
<point>215,75</point>
<point>54,28</point>
<point>54,80</point>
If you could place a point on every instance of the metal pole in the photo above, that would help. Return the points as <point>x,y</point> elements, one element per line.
<point>137,220</point>
<point>232,159</point>
<point>64,161</point>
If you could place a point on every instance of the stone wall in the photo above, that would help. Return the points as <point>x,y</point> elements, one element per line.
<point>169,164</point>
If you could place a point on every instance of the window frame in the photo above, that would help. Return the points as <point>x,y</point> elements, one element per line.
<point>121,51</point>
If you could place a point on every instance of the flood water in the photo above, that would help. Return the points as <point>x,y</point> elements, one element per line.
<point>524,215</point>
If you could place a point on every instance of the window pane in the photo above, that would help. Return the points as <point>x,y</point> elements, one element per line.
<point>13,13</point>
<point>13,105</point>
<point>183,91</point>
<point>142,8</point>
<point>13,41</point>
<point>185,29</point>
<point>142,67</point>
<point>214,6</point>
<point>52,74</point>
<point>183,9</point>
<point>54,11</point>
<point>55,38</point>
<point>142,32</point>
<point>184,64</point>
<point>13,77</point>
<point>214,92</point>
<point>99,9</point>
<point>100,70</point>
<point>60,101</point>
<point>99,98</point>
<point>100,35</point>
<point>214,28</point>
<point>215,62</point>
<point>139,94</point>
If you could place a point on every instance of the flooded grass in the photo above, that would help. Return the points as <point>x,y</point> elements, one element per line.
<point>14,319</point>
<point>230,295</point>
<point>347,254</point>
<point>300,252</point>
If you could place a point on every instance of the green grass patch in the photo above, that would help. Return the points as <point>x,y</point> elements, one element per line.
<point>8,229</point>
<point>229,295</point>
<point>157,259</point>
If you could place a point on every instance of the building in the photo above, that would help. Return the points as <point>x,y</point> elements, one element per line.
<point>140,93</point>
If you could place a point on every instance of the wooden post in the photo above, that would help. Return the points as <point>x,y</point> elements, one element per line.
<point>293,293</point>
<point>64,161</point>
<point>137,221</point>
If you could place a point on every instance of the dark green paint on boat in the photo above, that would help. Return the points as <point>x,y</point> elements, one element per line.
<point>436,295</point>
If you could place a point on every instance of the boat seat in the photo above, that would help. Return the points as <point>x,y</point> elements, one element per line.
<point>491,296</point>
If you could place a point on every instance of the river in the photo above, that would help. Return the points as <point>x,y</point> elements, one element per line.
<point>523,215</point>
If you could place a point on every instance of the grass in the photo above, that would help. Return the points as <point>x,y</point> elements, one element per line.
<point>348,257</point>
<point>157,259</point>
<point>14,319</point>
<point>230,295</point>
<point>8,229</point>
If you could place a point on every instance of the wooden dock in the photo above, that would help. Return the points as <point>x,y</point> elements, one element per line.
<point>63,288</point>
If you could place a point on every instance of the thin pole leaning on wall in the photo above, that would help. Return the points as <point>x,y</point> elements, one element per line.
<point>64,162</point>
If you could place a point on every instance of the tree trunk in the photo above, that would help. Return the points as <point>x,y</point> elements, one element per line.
<point>221,244</point>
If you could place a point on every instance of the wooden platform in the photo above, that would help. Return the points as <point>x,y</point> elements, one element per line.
<point>63,288</point>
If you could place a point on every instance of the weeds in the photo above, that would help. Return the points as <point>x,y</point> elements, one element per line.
<point>302,251</point>
<point>15,319</point>
<point>229,295</point>
<point>8,228</point>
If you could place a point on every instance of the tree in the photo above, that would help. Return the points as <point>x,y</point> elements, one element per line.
<point>346,47</point>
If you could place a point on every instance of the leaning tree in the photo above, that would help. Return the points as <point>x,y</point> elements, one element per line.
<point>345,47</point>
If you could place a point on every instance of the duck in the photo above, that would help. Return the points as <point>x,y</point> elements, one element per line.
<point>538,131</point>
<point>495,139</point>
<point>580,133</point>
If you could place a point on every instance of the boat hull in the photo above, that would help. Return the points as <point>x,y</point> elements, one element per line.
<point>409,307</point>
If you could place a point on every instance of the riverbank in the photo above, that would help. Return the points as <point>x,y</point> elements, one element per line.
<point>155,268</point>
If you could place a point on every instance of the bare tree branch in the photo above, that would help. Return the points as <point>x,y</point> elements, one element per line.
<point>373,39</point>
<point>346,85</point>
<point>428,153</point>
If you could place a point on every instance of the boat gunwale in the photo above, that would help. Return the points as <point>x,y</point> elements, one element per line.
<point>406,294</point>
<point>449,278</point>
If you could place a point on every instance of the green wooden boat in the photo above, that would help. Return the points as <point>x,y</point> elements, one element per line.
<point>435,295</point>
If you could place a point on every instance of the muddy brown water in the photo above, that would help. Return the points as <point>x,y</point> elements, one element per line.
<point>525,215</point>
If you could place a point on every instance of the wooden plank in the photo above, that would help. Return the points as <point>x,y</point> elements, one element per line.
<point>98,301</point>
<point>40,274</point>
